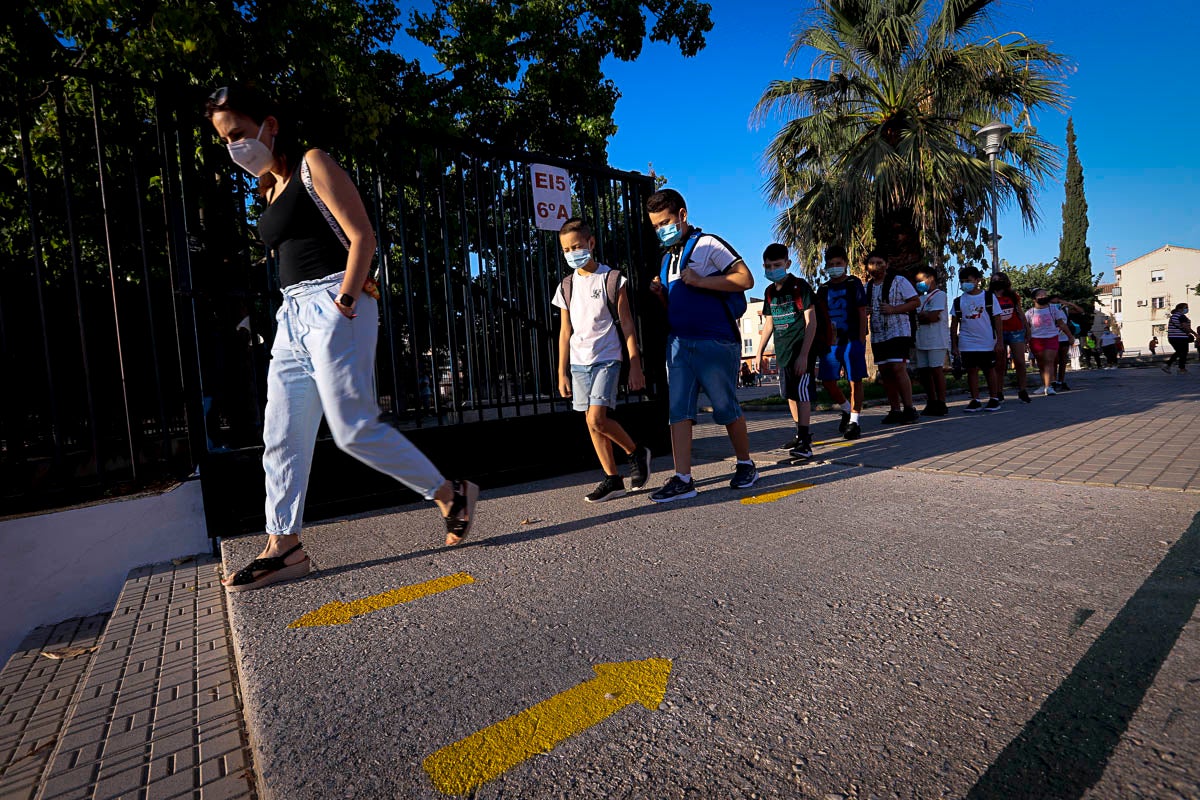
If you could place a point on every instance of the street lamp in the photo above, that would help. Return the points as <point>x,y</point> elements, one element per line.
<point>992,137</point>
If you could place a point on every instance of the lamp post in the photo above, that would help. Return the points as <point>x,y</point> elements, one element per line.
<point>992,137</point>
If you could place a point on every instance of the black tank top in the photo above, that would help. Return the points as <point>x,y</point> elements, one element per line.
<point>306,247</point>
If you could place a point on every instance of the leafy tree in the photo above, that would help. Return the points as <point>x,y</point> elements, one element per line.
<point>888,127</point>
<point>1074,272</point>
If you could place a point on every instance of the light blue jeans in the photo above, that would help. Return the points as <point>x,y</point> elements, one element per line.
<point>322,361</point>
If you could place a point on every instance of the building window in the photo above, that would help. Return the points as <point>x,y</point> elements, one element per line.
<point>1157,275</point>
<point>1158,302</point>
<point>748,345</point>
<point>1117,306</point>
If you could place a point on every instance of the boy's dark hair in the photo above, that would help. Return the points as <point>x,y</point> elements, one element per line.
<point>835,251</point>
<point>775,252</point>
<point>925,269</point>
<point>876,253</point>
<point>667,200</point>
<point>969,272</point>
<point>576,225</point>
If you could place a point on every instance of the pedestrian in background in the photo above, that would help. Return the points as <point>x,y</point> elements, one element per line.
<point>933,342</point>
<point>323,357</point>
<point>1045,323</point>
<point>1179,335</point>
<point>1108,346</point>
<point>791,319</point>
<point>892,299</point>
<point>844,298</point>
<point>594,300</point>
<point>1016,335</point>
<point>1064,342</point>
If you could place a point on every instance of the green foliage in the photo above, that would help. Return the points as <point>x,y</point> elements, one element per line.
<point>1074,255</point>
<point>886,124</point>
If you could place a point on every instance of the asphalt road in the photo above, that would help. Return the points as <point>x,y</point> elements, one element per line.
<point>897,630</point>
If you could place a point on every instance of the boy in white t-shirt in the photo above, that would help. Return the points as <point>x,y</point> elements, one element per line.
<point>976,336</point>
<point>590,357</point>
<point>933,342</point>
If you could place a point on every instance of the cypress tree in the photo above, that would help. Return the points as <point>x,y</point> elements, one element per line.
<point>1074,273</point>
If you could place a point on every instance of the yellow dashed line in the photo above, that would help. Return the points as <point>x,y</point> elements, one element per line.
<point>780,493</point>
<point>339,613</point>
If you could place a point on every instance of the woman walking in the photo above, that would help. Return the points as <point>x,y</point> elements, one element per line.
<point>323,358</point>
<point>1045,323</point>
<point>1179,336</point>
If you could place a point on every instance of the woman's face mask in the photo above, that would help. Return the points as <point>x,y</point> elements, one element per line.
<point>251,154</point>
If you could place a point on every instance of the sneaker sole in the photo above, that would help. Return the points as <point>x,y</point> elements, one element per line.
<point>997,408</point>
<point>744,485</point>
<point>610,496</point>
<point>972,410</point>
<point>674,497</point>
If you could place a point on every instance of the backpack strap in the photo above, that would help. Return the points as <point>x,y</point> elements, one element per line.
<point>567,284</point>
<point>306,179</point>
<point>612,288</point>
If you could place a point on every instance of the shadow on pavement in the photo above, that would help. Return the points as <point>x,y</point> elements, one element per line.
<point>1065,747</point>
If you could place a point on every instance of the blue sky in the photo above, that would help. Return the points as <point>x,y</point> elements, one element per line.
<point>1132,87</point>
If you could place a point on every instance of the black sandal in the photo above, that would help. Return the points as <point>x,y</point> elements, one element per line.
<point>274,569</point>
<point>465,496</point>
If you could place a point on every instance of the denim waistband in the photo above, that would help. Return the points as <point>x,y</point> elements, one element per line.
<point>304,288</point>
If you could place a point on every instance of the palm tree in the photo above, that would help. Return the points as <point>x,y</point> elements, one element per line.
<point>889,132</point>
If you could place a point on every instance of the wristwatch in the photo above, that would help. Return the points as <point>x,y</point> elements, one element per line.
<point>344,299</point>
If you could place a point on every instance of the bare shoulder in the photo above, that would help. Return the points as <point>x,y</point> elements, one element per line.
<point>321,164</point>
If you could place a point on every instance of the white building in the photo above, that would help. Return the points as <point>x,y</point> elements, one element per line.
<point>751,326</point>
<point>1148,288</point>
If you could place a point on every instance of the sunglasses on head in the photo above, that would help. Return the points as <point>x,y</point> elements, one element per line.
<point>220,97</point>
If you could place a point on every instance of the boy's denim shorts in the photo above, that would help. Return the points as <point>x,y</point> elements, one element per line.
<point>695,364</point>
<point>595,384</point>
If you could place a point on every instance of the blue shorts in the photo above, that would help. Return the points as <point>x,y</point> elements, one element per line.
<point>850,356</point>
<point>695,364</point>
<point>595,384</point>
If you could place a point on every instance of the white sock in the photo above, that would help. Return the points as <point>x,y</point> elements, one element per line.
<point>846,407</point>
<point>747,462</point>
<point>685,478</point>
<point>854,416</point>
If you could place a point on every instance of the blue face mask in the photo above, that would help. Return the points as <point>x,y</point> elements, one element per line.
<point>578,258</point>
<point>776,275</point>
<point>968,286</point>
<point>922,287</point>
<point>669,234</point>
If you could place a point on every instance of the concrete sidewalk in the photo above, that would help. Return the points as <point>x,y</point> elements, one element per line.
<point>891,620</point>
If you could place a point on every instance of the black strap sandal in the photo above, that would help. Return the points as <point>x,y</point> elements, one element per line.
<point>458,523</point>
<point>274,569</point>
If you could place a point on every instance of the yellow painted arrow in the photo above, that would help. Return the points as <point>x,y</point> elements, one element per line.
<point>466,765</point>
<point>780,493</point>
<point>339,613</point>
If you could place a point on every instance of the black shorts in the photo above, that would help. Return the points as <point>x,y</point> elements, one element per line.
<point>798,388</point>
<point>978,359</point>
<point>892,350</point>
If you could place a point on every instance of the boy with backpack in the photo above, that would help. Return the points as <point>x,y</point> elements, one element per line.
<point>933,342</point>
<point>893,302</point>
<point>845,300</point>
<point>791,317</point>
<point>702,282</point>
<point>977,336</point>
<point>595,311</point>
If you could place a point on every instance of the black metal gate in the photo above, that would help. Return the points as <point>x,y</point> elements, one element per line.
<point>138,307</point>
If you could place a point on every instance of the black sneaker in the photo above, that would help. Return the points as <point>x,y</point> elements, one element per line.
<point>909,415</point>
<point>639,468</point>
<point>893,417</point>
<point>993,404</point>
<point>793,442</point>
<point>612,487</point>
<point>745,476</point>
<point>1000,397</point>
<point>1024,396</point>
<point>674,489</point>
<point>1054,385</point>
<point>802,450</point>
<point>973,406</point>
<point>845,422</point>
<point>939,409</point>
<point>1062,387</point>
<point>853,431</point>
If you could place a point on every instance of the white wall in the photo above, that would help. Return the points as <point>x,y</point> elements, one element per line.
<point>72,563</point>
